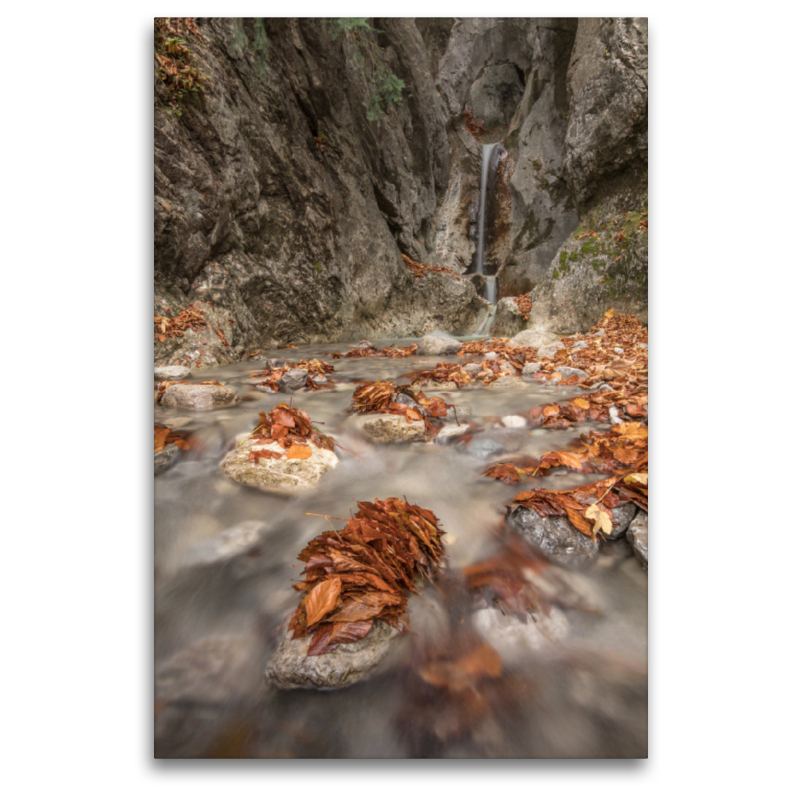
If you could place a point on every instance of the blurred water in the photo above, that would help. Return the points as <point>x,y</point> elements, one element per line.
<point>574,689</point>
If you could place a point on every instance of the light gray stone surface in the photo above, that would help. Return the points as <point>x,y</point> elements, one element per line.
<point>173,373</point>
<point>293,380</point>
<point>199,397</point>
<point>438,346</point>
<point>392,429</point>
<point>637,536</point>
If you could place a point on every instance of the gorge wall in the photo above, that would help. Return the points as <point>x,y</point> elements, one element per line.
<point>282,212</point>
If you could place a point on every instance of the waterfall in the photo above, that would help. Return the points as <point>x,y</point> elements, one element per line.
<point>490,290</point>
<point>488,149</point>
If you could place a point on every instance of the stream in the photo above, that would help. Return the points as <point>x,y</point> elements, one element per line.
<point>573,684</point>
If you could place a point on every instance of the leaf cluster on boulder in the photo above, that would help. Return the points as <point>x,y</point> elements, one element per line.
<point>314,367</point>
<point>363,572</point>
<point>381,397</point>
<point>291,428</point>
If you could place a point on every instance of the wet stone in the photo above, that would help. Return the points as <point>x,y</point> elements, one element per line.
<point>448,432</point>
<point>457,413</point>
<point>171,373</point>
<point>637,536</point>
<point>292,668</point>
<point>555,537</point>
<point>265,389</point>
<point>164,459</point>
<point>438,346</point>
<point>293,380</point>
<point>276,363</point>
<point>473,369</point>
<point>201,397</point>
<point>621,517</point>
<point>392,429</point>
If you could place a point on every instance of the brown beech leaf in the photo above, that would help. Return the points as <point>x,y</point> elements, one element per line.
<point>323,598</point>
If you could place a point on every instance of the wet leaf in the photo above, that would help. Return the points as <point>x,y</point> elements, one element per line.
<point>299,451</point>
<point>322,599</point>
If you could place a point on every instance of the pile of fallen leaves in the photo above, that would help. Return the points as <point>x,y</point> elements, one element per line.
<point>164,436</point>
<point>381,397</point>
<point>421,270</point>
<point>446,371</point>
<point>314,367</point>
<point>368,350</point>
<point>620,451</point>
<point>164,385</point>
<point>523,302</point>
<point>362,573</point>
<point>588,507</point>
<point>289,427</point>
<point>172,327</point>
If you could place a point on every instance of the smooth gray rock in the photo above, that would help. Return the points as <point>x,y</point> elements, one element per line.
<point>265,389</point>
<point>233,550</point>
<point>438,346</point>
<point>164,459</point>
<point>173,373</point>
<point>529,370</point>
<point>568,372</point>
<point>514,421</point>
<point>392,429</point>
<point>200,397</point>
<point>555,537</point>
<point>276,363</point>
<point>407,400</point>
<point>473,369</point>
<point>484,448</point>
<point>637,536</point>
<point>531,338</point>
<point>621,517</point>
<point>447,432</point>
<point>293,380</point>
<point>492,356</point>
<point>292,668</point>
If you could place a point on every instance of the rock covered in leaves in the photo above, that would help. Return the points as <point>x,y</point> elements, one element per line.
<point>392,429</point>
<point>361,575</point>
<point>637,536</point>
<point>284,454</point>
<point>199,396</point>
<point>350,663</point>
<point>431,345</point>
<point>173,373</point>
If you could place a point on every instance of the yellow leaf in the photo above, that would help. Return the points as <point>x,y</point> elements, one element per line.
<point>636,477</point>
<point>601,518</point>
<point>581,402</point>
<point>609,313</point>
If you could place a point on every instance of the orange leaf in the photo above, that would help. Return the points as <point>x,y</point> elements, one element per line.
<point>550,411</point>
<point>581,402</point>
<point>299,451</point>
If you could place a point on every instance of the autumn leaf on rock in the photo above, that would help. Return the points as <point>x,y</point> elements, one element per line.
<point>323,598</point>
<point>600,517</point>
<point>299,451</point>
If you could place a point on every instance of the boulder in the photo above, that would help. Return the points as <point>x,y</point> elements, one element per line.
<point>292,668</point>
<point>293,380</point>
<point>568,372</point>
<point>438,346</point>
<point>549,350</point>
<point>171,373</point>
<point>473,369</point>
<point>621,518</point>
<point>200,397</point>
<point>276,363</point>
<point>637,536</point>
<point>392,429</point>
<point>514,421</point>
<point>279,476</point>
<point>531,338</point>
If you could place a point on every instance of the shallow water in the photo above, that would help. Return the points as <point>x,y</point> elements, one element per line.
<point>573,685</point>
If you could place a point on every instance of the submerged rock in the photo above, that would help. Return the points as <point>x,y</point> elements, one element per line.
<point>234,549</point>
<point>531,338</point>
<point>276,363</point>
<point>201,397</point>
<point>457,413</point>
<point>293,380</point>
<point>171,373</point>
<point>164,459</point>
<point>292,668</point>
<point>637,536</point>
<point>286,476</point>
<point>438,346</point>
<point>392,429</point>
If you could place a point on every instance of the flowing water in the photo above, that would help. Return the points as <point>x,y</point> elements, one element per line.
<point>573,684</point>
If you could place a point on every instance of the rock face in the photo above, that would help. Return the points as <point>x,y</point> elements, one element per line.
<point>278,200</point>
<point>288,476</point>
<point>438,346</point>
<point>637,536</point>
<point>292,668</point>
<point>392,429</point>
<point>199,397</point>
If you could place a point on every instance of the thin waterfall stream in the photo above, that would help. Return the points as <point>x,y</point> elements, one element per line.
<point>490,289</point>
